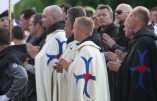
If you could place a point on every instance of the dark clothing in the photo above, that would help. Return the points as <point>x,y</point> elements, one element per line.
<point>31,39</point>
<point>13,77</point>
<point>14,53</point>
<point>122,42</point>
<point>37,42</point>
<point>112,31</point>
<point>70,39</point>
<point>56,26</point>
<point>96,38</point>
<point>29,93</point>
<point>137,76</point>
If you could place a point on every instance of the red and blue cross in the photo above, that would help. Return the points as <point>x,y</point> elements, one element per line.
<point>86,76</point>
<point>141,68</point>
<point>56,56</point>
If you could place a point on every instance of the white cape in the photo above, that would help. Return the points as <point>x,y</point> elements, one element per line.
<point>87,77</point>
<point>68,55</point>
<point>46,77</point>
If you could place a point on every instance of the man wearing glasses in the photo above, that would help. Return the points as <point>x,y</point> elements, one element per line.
<point>120,42</point>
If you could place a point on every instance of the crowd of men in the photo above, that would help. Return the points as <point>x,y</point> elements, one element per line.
<point>73,54</point>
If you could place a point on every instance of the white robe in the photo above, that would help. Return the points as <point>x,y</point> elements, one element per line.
<point>155,29</point>
<point>88,64</point>
<point>68,55</point>
<point>46,77</point>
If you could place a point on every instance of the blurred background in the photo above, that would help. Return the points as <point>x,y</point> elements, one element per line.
<point>39,5</point>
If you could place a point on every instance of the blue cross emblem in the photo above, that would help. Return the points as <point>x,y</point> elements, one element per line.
<point>86,76</point>
<point>57,56</point>
<point>140,68</point>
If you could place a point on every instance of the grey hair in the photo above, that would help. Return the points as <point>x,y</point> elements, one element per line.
<point>55,11</point>
<point>102,6</point>
<point>75,12</point>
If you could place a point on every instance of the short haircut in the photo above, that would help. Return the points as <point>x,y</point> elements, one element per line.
<point>87,23</point>
<point>28,13</point>
<point>65,6</point>
<point>18,33</point>
<point>102,6</point>
<point>37,18</point>
<point>4,36</point>
<point>143,13</point>
<point>75,12</point>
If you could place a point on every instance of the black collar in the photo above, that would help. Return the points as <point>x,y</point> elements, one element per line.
<point>56,26</point>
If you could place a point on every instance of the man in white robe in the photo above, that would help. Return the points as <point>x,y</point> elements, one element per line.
<point>87,75</point>
<point>46,77</point>
<point>68,53</point>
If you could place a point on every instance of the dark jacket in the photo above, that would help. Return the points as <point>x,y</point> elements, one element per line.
<point>137,76</point>
<point>111,30</point>
<point>13,77</point>
<point>122,42</point>
<point>96,38</point>
<point>54,27</point>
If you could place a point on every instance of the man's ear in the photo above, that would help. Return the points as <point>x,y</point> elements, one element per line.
<point>53,19</point>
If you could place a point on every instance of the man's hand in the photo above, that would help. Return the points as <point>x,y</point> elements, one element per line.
<point>120,54</point>
<point>3,98</point>
<point>107,40</point>
<point>111,56</point>
<point>113,66</point>
<point>62,64</point>
<point>65,63</point>
<point>32,50</point>
<point>58,67</point>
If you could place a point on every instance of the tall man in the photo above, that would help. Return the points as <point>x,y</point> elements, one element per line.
<point>46,77</point>
<point>68,53</point>
<point>87,78</point>
<point>13,76</point>
<point>120,41</point>
<point>137,75</point>
<point>24,23</point>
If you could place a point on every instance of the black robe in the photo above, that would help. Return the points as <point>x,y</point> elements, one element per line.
<point>137,76</point>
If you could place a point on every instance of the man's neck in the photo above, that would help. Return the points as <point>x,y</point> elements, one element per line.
<point>137,28</point>
<point>19,42</point>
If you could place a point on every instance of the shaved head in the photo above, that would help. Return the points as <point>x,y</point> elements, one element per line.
<point>125,7</point>
<point>143,13</point>
<point>54,11</point>
<point>51,15</point>
<point>122,11</point>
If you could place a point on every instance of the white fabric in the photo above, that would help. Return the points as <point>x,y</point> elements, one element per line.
<point>68,55</point>
<point>3,98</point>
<point>98,89</point>
<point>155,29</point>
<point>46,77</point>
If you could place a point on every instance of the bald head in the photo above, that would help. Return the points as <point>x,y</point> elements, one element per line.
<point>125,7</point>
<point>143,13</point>
<point>54,11</point>
<point>122,11</point>
<point>51,15</point>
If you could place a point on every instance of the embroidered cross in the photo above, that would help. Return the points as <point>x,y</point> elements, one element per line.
<point>57,56</point>
<point>86,76</point>
<point>141,68</point>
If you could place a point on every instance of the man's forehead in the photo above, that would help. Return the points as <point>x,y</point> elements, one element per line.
<point>4,18</point>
